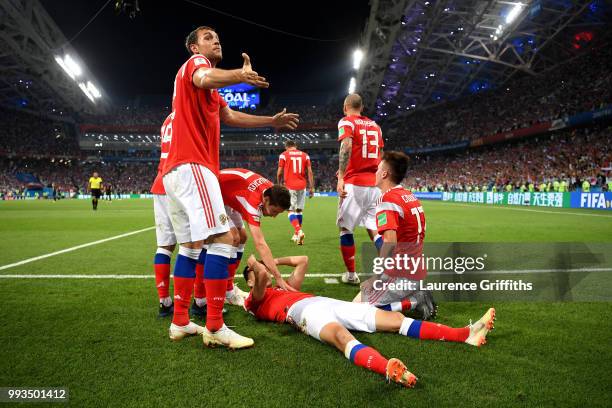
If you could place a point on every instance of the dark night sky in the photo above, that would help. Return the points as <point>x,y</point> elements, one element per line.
<point>141,56</point>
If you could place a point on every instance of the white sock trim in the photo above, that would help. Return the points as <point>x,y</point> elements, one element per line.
<point>193,253</point>
<point>405,326</point>
<point>349,348</point>
<point>220,250</point>
<point>396,306</point>
<point>164,251</point>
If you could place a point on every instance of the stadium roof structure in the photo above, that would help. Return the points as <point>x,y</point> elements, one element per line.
<point>420,53</point>
<point>30,76</point>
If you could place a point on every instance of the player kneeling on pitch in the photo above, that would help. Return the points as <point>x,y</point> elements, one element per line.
<point>329,320</point>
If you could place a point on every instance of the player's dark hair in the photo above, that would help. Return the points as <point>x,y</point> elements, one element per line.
<point>245,273</point>
<point>290,143</point>
<point>398,165</point>
<point>279,196</point>
<point>192,38</point>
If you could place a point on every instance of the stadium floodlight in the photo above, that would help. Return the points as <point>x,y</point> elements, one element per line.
<point>352,85</point>
<point>62,64</point>
<point>93,90</point>
<point>514,12</point>
<point>357,58</point>
<point>86,91</point>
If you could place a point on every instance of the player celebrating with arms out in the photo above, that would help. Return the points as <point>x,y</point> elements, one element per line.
<point>294,166</point>
<point>361,145</point>
<point>329,320</point>
<point>190,180</point>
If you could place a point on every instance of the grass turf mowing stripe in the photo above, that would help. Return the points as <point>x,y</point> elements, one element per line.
<point>74,248</point>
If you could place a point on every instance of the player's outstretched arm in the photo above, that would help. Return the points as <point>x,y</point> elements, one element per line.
<point>264,252</point>
<point>281,120</point>
<point>213,78</point>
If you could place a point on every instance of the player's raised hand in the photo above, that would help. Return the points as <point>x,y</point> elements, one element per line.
<point>284,120</point>
<point>251,77</point>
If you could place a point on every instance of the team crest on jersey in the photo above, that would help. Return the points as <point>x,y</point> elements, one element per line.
<point>223,218</point>
<point>340,131</point>
<point>382,219</point>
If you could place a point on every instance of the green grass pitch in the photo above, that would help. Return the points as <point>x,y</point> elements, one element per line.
<point>101,337</point>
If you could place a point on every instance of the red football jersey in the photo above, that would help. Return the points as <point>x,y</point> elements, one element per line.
<point>195,126</point>
<point>398,209</point>
<point>242,190</point>
<point>294,163</point>
<point>365,155</point>
<point>274,305</point>
<point>158,184</point>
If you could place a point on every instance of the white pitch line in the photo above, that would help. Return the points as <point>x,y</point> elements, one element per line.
<point>481,205</point>
<point>74,248</point>
<point>318,275</point>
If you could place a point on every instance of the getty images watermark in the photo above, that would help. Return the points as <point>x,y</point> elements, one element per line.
<point>404,265</point>
<point>489,271</point>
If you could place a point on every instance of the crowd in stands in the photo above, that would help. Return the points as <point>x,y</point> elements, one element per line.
<point>559,161</point>
<point>580,85</point>
<point>565,158</point>
<point>27,135</point>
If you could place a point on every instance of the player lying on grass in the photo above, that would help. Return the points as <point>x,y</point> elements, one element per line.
<point>329,320</point>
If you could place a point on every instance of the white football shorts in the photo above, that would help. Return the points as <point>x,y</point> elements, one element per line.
<point>298,197</point>
<point>195,203</point>
<point>163,225</point>
<point>312,314</point>
<point>358,208</point>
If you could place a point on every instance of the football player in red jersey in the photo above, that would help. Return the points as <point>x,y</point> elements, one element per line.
<point>247,197</point>
<point>400,220</point>
<point>360,149</point>
<point>330,320</point>
<point>294,167</point>
<point>190,179</point>
<point>166,240</point>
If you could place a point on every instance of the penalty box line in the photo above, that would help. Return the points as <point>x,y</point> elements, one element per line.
<point>74,248</point>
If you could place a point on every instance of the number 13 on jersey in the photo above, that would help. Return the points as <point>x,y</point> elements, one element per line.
<point>369,148</point>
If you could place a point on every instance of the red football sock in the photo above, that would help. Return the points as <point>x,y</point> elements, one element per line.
<point>231,271</point>
<point>436,331</point>
<point>406,304</point>
<point>183,287</point>
<point>199,289</point>
<point>162,280</point>
<point>215,297</point>
<point>296,224</point>
<point>348,254</point>
<point>366,357</point>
